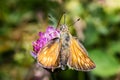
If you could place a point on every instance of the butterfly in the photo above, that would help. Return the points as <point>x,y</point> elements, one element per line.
<point>65,51</point>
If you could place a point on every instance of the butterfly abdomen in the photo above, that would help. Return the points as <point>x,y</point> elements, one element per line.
<point>64,51</point>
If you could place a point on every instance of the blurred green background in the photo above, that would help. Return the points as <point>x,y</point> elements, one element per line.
<point>98,29</point>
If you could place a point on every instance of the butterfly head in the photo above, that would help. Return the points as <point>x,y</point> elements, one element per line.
<point>63,28</point>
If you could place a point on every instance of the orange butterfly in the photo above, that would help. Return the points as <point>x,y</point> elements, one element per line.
<point>65,51</point>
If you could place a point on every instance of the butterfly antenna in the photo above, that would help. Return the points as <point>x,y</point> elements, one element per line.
<point>60,19</point>
<point>75,22</point>
<point>64,18</point>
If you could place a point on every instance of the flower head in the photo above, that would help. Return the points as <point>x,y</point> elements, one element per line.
<point>44,38</point>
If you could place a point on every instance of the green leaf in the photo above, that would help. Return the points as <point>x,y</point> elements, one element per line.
<point>114,47</point>
<point>106,65</point>
<point>92,36</point>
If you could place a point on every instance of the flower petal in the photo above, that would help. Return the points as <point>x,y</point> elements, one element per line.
<point>33,54</point>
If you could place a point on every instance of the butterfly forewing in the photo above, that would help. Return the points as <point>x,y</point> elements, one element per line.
<point>48,57</point>
<point>78,58</point>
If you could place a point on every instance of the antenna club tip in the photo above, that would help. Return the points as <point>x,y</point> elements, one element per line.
<point>78,19</point>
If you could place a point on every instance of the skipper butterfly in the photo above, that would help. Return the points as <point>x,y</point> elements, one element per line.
<point>65,51</point>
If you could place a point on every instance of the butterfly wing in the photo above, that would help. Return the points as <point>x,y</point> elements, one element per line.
<point>78,59</point>
<point>48,56</point>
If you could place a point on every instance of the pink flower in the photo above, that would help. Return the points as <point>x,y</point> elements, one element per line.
<point>45,37</point>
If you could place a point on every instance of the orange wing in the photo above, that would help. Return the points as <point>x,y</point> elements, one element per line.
<point>78,58</point>
<point>48,56</point>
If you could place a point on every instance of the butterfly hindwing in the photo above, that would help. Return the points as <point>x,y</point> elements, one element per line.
<point>78,58</point>
<point>48,57</point>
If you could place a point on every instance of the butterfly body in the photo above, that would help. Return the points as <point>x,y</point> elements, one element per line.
<point>65,51</point>
<point>65,43</point>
